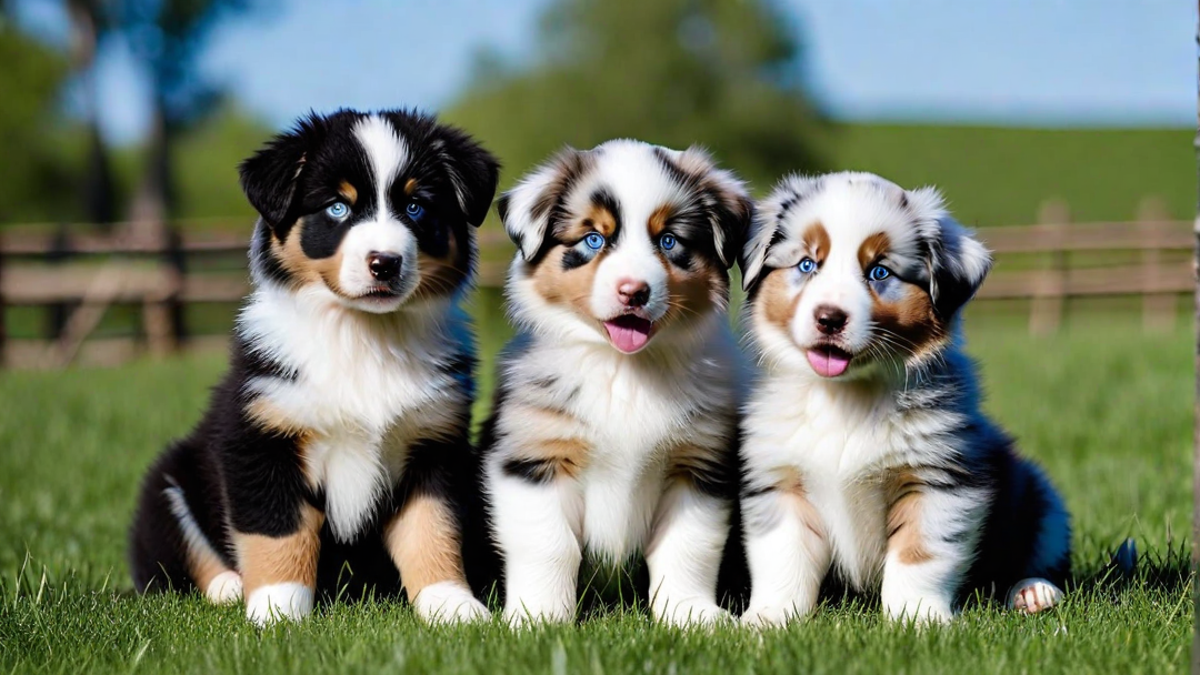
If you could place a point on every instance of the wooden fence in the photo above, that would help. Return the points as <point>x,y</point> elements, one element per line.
<point>75,277</point>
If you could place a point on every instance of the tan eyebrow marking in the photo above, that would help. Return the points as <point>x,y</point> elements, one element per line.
<point>873,248</point>
<point>816,239</point>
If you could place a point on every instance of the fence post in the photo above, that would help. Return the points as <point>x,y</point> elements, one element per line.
<point>163,310</point>
<point>1049,295</point>
<point>177,264</point>
<point>59,253</point>
<point>1158,308</point>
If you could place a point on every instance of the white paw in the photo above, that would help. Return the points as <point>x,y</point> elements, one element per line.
<point>277,602</point>
<point>519,616</point>
<point>224,588</point>
<point>1034,595</point>
<point>767,616</point>
<point>921,612</point>
<point>449,602</point>
<point>690,613</point>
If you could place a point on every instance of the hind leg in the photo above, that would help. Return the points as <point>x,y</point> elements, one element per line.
<point>169,549</point>
<point>1034,595</point>
<point>1050,547</point>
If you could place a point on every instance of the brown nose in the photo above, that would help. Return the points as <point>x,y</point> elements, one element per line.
<point>633,293</point>
<point>830,319</point>
<point>384,266</point>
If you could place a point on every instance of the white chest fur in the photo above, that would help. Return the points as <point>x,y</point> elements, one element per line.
<point>632,413</point>
<point>365,388</point>
<point>843,440</point>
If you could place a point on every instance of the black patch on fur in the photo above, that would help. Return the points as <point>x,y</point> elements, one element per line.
<point>264,261</point>
<point>953,289</point>
<point>572,259</point>
<point>538,471</point>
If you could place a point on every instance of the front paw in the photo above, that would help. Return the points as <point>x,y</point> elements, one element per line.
<point>921,612</point>
<point>224,588</point>
<point>769,616</point>
<point>521,616</point>
<point>449,602</point>
<point>278,602</point>
<point>687,613</point>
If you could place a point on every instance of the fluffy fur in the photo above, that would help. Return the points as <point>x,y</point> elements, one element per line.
<point>864,445</point>
<point>334,454</point>
<point>614,426</point>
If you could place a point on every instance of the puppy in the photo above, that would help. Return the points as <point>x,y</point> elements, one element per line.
<point>334,452</point>
<point>614,427</point>
<point>864,445</point>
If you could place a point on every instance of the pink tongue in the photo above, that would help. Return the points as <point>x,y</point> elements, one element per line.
<point>826,364</point>
<point>628,335</point>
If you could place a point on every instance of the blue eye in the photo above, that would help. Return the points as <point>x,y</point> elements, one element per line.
<point>879,273</point>
<point>414,210</point>
<point>667,241</point>
<point>808,266</point>
<point>337,210</point>
<point>594,241</point>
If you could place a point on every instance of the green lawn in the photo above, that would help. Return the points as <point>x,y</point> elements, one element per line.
<point>1104,407</point>
<point>999,176</point>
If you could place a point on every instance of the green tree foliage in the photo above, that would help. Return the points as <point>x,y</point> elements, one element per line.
<point>720,73</point>
<point>32,174</point>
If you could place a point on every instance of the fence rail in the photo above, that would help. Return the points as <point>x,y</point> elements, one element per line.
<point>79,275</point>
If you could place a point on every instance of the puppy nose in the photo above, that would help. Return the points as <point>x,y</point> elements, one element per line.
<point>384,266</point>
<point>830,320</point>
<point>633,293</point>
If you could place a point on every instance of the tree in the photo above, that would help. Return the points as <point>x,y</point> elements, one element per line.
<point>721,73</point>
<point>32,174</point>
<point>167,36</point>
<point>99,193</point>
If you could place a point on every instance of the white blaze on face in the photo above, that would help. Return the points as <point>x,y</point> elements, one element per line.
<point>637,180</point>
<point>850,214</point>
<point>381,231</point>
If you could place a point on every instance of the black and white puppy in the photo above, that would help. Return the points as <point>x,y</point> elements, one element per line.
<point>864,444</point>
<point>614,427</point>
<point>335,450</point>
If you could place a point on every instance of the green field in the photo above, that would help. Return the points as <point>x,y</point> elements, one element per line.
<point>991,175</point>
<point>999,176</point>
<point>1106,409</point>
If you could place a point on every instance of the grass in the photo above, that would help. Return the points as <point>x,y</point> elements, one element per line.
<point>1000,176</point>
<point>1105,408</point>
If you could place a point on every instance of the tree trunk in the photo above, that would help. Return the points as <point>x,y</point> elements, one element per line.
<point>153,202</point>
<point>99,198</point>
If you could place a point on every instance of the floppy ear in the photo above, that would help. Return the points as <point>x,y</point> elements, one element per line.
<point>527,208</point>
<point>730,202</point>
<point>472,170</point>
<point>754,251</point>
<point>766,231</point>
<point>270,175</point>
<point>958,263</point>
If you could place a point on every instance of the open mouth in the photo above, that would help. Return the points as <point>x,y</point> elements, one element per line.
<point>828,360</point>
<point>629,332</point>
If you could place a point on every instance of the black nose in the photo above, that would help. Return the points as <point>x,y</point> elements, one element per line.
<point>384,266</point>
<point>830,320</point>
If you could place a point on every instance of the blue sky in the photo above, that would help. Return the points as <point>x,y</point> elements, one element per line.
<point>1018,62</point>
